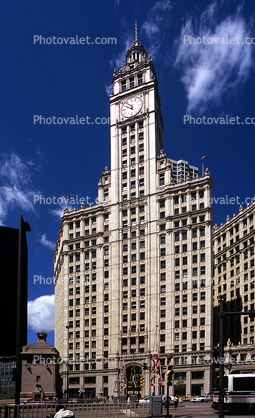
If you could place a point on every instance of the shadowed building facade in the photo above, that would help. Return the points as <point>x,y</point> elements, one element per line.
<point>234,279</point>
<point>40,370</point>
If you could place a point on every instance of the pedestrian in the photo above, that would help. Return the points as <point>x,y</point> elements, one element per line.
<point>176,401</point>
<point>62,412</point>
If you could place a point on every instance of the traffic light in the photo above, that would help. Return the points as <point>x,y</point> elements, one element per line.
<point>14,374</point>
<point>145,366</point>
<point>142,377</point>
<point>169,374</point>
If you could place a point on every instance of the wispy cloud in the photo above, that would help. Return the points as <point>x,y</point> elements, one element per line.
<point>44,241</point>
<point>116,62</point>
<point>108,89</point>
<point>156,24</point>
<point>41,313</point>
<point>16,189</point>
<point>209,71</point>
<point>58,213</point>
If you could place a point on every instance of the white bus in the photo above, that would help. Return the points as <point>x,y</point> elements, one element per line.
<point>239,391</point>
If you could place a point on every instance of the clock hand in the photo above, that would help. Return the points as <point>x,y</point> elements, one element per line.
<point>129,106</point>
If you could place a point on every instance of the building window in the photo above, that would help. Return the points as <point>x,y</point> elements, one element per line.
<point>161,179</point>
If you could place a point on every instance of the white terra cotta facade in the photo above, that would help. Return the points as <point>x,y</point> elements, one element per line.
<point>133,273</point>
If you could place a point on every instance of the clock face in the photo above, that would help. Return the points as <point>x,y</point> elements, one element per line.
<point>131,107</point>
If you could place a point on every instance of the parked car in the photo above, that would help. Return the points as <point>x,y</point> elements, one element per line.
<point>145,401</point>
<point>34,401</point>
<point>171,400</point>
<point>203,398</point>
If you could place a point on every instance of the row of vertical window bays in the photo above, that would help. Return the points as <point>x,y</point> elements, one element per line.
<point>179,203</point>
<point>142,291</point>
<point>238,270</point>
<point>235,293</point>
<point>243,285</point>
<point>137,211</point>
<point>184,260</point>
<point>249,340</point>
<point>140,256</point>
<point>93,242</point>
<point>235,229</point>
<point>86,366</point>
<point>234,258</point>
<point>136,257</point>
<point>87,221</point>
<point>134,328</point>
<point>133,281</point>
<point>91,222</point>
<point>184,298</point>
<point>133,341</point>
<point>184,349</point>
<point>179,248</point>
<point>133,148</point>
<point>184,310</point>
<point>193,335</point>
<point>226,247</point>
<point>177,376</point>
<point>131,82</point>
<point>92,333</point>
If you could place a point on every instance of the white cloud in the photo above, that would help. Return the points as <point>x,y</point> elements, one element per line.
<point>156,24</point>
<point>150,29</point>
<point>16,189</point>
<point>116,62</point>
<point>154,27</point>
<point>44,241</point>
<point>108,89</point>
<point>41,313</point>
<point>209,71</point>
<point>58,213</point>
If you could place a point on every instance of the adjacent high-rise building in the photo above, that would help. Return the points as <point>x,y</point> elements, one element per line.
<point>9,242</point>
<point>234,280</point>
<point>133,273</point>
<point>9,245</point>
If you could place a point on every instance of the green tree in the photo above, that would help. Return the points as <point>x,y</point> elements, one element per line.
<point>180,388</point>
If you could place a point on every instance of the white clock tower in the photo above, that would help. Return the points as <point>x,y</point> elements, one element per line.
<point>136,126</point>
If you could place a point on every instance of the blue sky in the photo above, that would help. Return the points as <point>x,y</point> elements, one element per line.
<point>65,80</point>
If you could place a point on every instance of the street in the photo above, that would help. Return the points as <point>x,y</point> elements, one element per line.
<point>188,410</point>
<point>109,410</point>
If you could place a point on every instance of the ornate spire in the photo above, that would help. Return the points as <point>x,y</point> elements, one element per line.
<point>136,35</point>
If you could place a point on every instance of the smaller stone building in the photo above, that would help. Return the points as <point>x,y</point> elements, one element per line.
<point>40,377</point>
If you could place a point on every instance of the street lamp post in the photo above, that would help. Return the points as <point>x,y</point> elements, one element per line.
<point>118,371</point>
<point>67,370</point>
<point>169,358</point>
<point>221,355</point>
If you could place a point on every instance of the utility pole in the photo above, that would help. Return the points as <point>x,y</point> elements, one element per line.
<point>67,370</point>
<point>168,381</point>
<point>221,356</point>
<point>118,359</point>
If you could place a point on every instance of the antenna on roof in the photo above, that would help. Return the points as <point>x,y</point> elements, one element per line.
<point>203,169</point>
<point>136,36</point>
